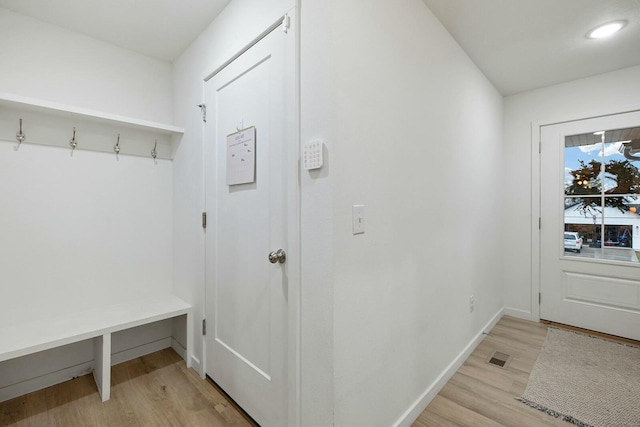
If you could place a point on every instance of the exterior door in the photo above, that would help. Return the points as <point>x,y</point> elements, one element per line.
<point>590,227</point>
<point>248,144</point>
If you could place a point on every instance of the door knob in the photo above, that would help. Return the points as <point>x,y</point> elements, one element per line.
<point>277,256</point>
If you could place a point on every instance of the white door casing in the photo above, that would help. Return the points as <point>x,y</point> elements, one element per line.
<point>595,294</point>
<point>251,303</point>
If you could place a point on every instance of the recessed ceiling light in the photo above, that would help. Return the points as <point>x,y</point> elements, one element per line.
<point>606,30</point>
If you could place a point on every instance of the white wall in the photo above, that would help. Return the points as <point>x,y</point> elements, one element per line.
<point>318,121</point>
<point>46,62</point>
<point>418,142</point>
<point>86,230</point>
<point>81,231</point>
<point>606,93</point>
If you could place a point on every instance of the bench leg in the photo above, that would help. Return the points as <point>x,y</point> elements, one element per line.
<point>102,368</point>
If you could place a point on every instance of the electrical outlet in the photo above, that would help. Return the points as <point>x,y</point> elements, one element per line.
<point>471,303</point>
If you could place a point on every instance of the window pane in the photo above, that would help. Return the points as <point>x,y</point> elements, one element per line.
<point>602,195</point>
<point>582,215</point>
<point>622,160</point>
<point>582,164</point>
<point>621,221</point>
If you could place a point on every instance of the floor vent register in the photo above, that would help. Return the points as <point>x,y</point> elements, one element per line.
<point>501,360</point>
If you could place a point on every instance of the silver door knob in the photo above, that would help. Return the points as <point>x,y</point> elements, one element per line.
<point>277,256</point>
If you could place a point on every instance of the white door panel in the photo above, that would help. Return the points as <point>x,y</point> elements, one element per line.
<point>246,295</point>
<point>596,288</point>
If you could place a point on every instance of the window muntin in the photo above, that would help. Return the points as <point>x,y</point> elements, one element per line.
<point>602,194</point>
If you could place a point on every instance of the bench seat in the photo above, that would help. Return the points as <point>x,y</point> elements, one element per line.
<point>97,324</point>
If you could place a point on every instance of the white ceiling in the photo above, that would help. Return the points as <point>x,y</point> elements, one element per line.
<point>519,44</point>
<point>160,29</point>
<point>527,44</point>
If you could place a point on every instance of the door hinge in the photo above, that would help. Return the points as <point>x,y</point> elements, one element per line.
<point>204,326</point>
<point>539,223</point>
<point>203,110</point>
<point>286,24</point>
<point>539,298</point>
<point>204,220</point>
<point>539,147</point>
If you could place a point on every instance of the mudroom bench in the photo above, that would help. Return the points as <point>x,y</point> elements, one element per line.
<point>97,324</point>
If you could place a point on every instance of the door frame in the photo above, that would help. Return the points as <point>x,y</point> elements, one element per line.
<point>293,197</point>
<point>536,192</point>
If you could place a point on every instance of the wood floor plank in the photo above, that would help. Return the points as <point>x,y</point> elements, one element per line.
<point>494,403</point>
<point>432,419</point>
<point>455,414</point>
<point>498,379</point>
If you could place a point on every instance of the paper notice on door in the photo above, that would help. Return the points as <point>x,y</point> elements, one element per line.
<point>241,157</point>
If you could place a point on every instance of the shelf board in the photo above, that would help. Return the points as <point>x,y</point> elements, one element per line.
<point>49,123</point>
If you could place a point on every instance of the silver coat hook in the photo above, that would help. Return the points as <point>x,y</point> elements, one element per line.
<point>116,148</point>
<point>203,110</point>
<point>20,136</point>
<point>72,142</point>
<point>154,152</point>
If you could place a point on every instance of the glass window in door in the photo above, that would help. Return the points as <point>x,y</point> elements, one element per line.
<point>602,195</point>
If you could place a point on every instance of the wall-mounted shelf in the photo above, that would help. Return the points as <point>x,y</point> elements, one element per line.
<point>49,123</point>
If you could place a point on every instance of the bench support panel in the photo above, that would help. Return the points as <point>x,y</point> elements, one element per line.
<point>102,368</point>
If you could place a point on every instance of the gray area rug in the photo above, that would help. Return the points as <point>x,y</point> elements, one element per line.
<point>586,380</point>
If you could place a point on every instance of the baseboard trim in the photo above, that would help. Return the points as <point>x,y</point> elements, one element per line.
<point>427,396</point>
<point>517,313</point>
<point>34,384</point>
<point>178,348</point>
<point>139,351</point>
<point>196,365</point>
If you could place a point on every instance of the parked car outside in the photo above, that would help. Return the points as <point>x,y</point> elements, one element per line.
<point>624,240</point>
<point>572,241</point>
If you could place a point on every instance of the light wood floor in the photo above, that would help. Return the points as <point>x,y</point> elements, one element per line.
<point>154,390</point>
<point>480,394</point>
<point>158,390</point>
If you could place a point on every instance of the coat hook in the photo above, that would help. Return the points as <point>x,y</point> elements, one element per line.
<point>154,152</point>
<point>203,110</point>
<point>72,142</point>
<point>116,148</point>
<point>20,136</point>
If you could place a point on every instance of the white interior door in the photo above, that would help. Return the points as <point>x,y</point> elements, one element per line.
<point>249,120</point>
<point>590,185</point>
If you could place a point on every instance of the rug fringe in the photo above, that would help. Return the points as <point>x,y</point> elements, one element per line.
<point>553,413</point>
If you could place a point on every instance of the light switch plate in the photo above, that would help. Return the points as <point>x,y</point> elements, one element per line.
<point>358,219</point>
<point>312,155</point>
